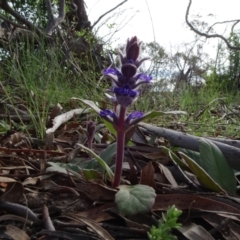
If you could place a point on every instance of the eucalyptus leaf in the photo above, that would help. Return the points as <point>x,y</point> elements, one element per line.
<point>131,200</point>
<point>216,165</point>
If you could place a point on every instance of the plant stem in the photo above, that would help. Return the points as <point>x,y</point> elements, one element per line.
<point>120,147</point>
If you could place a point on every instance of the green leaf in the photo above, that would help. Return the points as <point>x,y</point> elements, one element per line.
<point>193,155</point>
<point>131,200</point>
<point>89,103</point>
<point>201,174</point>
<point>175,158</point>
<point>92,105</point>
<point>216,165</point>
<point>108,153</point>
<point>155,114</point>
<point>110,127</point>
<point>91,174</point>
<point>99,160</point>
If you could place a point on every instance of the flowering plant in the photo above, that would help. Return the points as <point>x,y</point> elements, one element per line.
<point>125,89</point>
<point>126,82</point>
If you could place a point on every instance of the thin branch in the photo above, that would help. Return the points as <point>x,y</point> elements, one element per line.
<point>207,35</point>
<point>54,22</point>
<point>4,5</point>
<point>103,15</point>
<point>11,22</point>
<point>223,22</point>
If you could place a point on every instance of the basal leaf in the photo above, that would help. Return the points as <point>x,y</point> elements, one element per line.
<point>201,174</point>
<point>193,155</point>
<point>108,153</point>
<point>99,160</point>
<point>131,200</point>
<point>175,158</point>
<point>91,174</point>
<point>92,105</point>
<point>216,165</point>
<point>89,103</point>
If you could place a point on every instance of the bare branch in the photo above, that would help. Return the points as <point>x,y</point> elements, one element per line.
<point>205,34</point>
<point>107,13</point>
<point>54,22</point>
<point>4,5</point>
<point>228,21</point>
<point>11,22</point>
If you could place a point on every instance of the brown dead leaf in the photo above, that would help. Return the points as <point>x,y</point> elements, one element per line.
<point>186,201</point>
<point>154,155</point>
<point>167,174</point>
<point>16,233</point>
<point>147,176</point>
<point>98,214</point>
<point>96,191</point>
<point>229,229</point>
<point>92,224</point>
<point>192,231</point>
<point>13,192</point>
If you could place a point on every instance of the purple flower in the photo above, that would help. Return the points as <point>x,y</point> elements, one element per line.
<point>107,112</point>
<point>115,75</point>
<point>125,91</point>
<point>109,115</point>
<point>120,80</point>
<point>131,117</point>
<point>134,115</point>
<point>125,95</point>
<point>138,80</point>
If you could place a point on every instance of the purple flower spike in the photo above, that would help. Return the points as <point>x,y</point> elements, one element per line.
<point>133,49</point>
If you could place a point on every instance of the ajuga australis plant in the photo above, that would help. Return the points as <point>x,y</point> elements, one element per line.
<point>126,82</point>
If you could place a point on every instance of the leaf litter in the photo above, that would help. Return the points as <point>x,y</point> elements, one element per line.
<point>51,189</point>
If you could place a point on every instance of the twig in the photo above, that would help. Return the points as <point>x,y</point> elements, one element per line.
<point>205,34</point>
<point>95,23</point>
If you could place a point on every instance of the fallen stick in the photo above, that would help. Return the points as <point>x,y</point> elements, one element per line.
<point>184,140</point>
